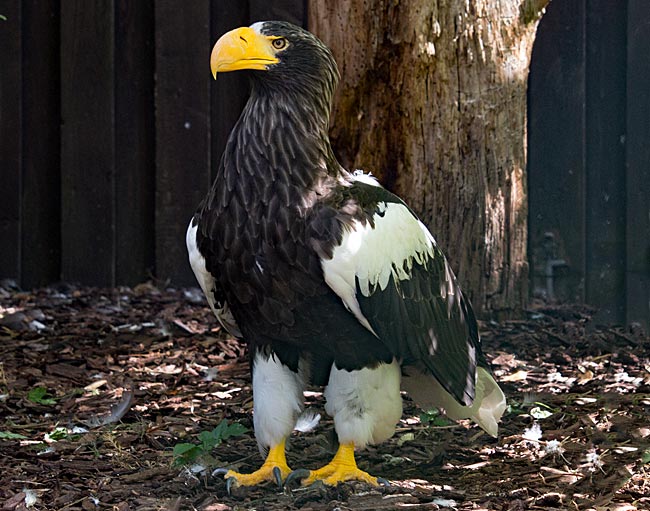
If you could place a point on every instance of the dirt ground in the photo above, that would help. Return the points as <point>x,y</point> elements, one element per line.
<point>98,386</point>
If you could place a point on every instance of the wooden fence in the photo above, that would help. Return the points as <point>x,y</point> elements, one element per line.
<point>110,124</point>
<point>589,155</point>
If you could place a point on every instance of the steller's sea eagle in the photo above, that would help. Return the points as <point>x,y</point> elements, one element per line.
<point>330,278</point>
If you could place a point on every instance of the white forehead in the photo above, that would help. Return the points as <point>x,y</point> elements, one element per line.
<point>257,27</point>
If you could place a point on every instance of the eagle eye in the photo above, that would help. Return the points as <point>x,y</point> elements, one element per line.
<point>280,43</point>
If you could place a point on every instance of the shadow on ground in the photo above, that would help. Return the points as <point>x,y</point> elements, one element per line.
<point>97,387</point>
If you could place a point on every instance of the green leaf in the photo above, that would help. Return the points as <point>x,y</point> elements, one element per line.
<point>223,431</point>
<point>221,427</point>
<point>58,433</point>
<point>11,436</point>
<point>434,418</point>
<point>40,396</point>
<point>182,449</point>
<point>3,18</point>
<point>185,453</point>
<point>234,429</point>
<point>208,440</point>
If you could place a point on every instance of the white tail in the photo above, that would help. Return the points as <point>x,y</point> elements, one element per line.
<point>486,410</point>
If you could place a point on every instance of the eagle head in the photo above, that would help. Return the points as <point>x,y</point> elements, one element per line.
<point>285,58</point>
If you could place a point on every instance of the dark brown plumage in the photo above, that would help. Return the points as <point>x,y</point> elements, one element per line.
<point>326,275</point>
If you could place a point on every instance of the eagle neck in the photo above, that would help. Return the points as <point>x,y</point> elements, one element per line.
<point>280,141</point>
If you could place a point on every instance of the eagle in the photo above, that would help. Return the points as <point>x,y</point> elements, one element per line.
<point>327,276</point>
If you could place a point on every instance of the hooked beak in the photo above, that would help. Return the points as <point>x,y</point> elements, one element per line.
<point>242,48</point>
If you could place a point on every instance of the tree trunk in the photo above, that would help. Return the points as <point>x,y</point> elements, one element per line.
<point>432,101</point>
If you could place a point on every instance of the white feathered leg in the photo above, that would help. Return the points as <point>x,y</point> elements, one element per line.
<point>366,404</point>
<point>277,402</point>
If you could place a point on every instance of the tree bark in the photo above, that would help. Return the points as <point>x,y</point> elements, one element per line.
<point>432,101</point>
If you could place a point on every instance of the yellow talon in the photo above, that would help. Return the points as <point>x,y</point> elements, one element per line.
<point>275,459</point>
<point>343,467</point>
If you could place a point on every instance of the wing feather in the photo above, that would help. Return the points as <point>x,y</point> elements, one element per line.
<point>389,273</point>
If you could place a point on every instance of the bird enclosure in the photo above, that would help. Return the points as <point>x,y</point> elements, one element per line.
<point>120,389</point>
<point>112,127</point>
<point>589,162</point>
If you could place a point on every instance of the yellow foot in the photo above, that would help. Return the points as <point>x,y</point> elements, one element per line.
<point>274,469</point>
<point>333,475</point>
<point>267,472</point>
<point>343,467</point>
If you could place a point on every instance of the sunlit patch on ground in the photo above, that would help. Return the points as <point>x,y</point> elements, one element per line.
<point>97,387</point>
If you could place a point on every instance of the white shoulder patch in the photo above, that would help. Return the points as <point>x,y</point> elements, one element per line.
<point>206,281</point>
<point>368,178</point>
<point>372,254</point>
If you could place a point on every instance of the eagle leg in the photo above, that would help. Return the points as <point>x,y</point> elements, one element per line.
<point>343,467</point>
<point>274,469</point>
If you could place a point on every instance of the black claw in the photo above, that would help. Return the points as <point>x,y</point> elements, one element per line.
<point>229,483</point>
<point>297,475</point>
<point>219,472</point>
<point>383,482</point>
<point>277,474</point>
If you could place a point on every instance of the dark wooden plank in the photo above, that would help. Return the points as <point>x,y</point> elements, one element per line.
<point>638,163</point>
<point>228,94</point>
<point>41,197</point>
<point>556,144</point>
<point>605,128</point>
<point>134,141</point>
<point>87,142</point>
<point>294,11</point>
<point>10,139</point>
<point>182,128</point>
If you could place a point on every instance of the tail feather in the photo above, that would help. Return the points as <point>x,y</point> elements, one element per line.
<point>486,410</point>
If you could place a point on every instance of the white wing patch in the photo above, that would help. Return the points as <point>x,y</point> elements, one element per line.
<point>206,281</point>
<point>372,254</point>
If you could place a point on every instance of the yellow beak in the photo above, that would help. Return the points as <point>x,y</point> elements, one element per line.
<point>242,48</point>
